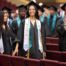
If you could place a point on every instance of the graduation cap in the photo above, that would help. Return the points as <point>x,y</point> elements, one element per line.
<point>7,9</point>
<point>52,7</point>
<point>40,8</point>
<point>21,7</point>
<point>45,6</point>
<point>32,3</point>
<point>63,7</point>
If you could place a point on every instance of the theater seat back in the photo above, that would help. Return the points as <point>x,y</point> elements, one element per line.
<point>32,62</point>
<point>18,61</point>
<point>47,62</point>
<point>5,60</point>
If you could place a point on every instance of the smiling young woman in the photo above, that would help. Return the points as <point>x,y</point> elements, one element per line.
<point>32,46</point>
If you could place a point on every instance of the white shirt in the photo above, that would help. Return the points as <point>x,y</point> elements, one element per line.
<point>1,45</point>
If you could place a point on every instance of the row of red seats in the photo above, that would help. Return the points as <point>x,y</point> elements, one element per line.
<point>56,55</point>
<point>53,52</point>
<point>52,43</point>
<point>52,40</point>
<point>51,46</point>
<point>19,61</point>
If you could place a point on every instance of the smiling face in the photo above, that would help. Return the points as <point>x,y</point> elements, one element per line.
<point>32,11</point>
<point>40,13</point>
<point>52,11</point>
<point>6,15</point>
<point>22,12</point>
<point>65,8</point>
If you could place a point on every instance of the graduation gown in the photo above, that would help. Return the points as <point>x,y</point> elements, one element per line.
<point>8,39</point>
<point>62,35</point>
<point>20,35</point>
<point>14,27</point>
<point>34,47</point>
<point>46,29</point>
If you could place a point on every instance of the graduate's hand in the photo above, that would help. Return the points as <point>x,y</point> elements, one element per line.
<point>15,53</point>
<point>3,26</point>
<point>44,55</point>
<point>16,50</point>
<point>64,27</point>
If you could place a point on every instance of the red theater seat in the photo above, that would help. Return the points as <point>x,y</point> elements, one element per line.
<point>63,56</point>
<point>62,63</point>
<point>47,62</point>
<point>18,61</point>
<point>5,60</point>
<point>32,62</point>
<point>52,40</point>
<point>53,55</point>
<point>53,47</point>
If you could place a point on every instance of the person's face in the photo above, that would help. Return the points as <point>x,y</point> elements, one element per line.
<point>17,12</point>
<point>6,15</point>
<point>22,13</point>
<point>32,11</point>
<point>13,15</point>
<point>40,13</point>
<point>59,9</point>
<point>46,11</point>
<point>65,9</point>
<point>52,11</point>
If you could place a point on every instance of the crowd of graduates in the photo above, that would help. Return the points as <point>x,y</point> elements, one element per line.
<point>23,30</point>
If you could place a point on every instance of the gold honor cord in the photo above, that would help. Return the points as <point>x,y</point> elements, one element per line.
<point>43,48</point>
<point>28,54</point>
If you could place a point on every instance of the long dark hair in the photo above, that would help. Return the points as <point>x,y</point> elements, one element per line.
<point>1,18</point>
<point>1,22</point>
<point>36,14</point>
